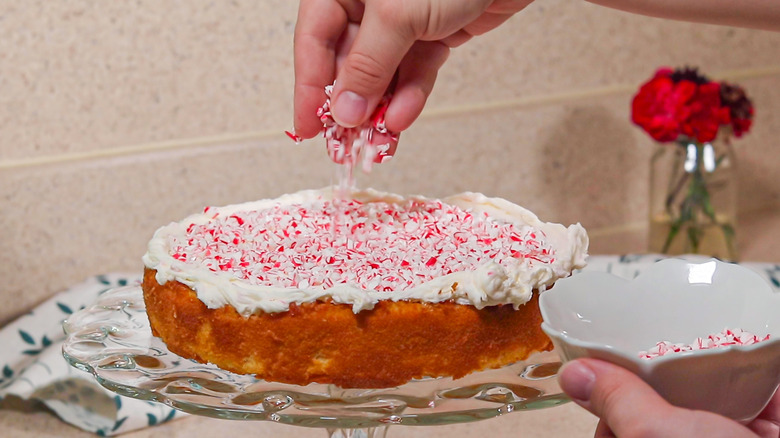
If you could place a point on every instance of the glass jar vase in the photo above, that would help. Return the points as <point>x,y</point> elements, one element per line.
<point>693,199</point>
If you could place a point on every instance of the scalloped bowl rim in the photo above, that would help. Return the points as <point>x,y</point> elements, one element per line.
<point>563,285</point>
<point>756,366</point>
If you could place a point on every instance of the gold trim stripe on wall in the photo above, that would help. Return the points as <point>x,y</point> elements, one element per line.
<point>523,102</point>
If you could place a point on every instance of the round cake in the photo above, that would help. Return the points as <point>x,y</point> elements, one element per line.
<point>365,292</point>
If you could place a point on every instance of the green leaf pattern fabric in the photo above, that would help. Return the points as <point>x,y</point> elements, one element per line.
<point>32,367</point>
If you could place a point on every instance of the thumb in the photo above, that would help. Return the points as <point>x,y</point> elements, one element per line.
<point>381,43</point>
<point>628,407</point>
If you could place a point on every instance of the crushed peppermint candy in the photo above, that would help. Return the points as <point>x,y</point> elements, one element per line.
<point>377,246</point>
<point>723,339</point>
<point>345,145</point>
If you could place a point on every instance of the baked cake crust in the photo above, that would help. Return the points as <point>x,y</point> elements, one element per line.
<point>326,342</point>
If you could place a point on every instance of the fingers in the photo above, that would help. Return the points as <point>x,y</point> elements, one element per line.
<point>320,25</point>
<point>603,431</point>
<point>765,428</point>
<point>628,407</point>
<point>767,425</point>
<point>604,388</point>
<point>495,15</point>
<point>416,77</point>
<point>382,42</point>
<point>367,59</point>
<point>345,43</point>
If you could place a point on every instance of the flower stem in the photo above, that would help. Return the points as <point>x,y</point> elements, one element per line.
<point>696,211</point>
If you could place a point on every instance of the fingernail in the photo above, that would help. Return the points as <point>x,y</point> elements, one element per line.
<point>577,380</point>
<point>349,109</point>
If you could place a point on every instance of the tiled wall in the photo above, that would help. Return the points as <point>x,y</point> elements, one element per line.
<point>118,117</point>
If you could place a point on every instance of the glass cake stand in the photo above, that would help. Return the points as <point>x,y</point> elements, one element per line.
<point>113,341</point>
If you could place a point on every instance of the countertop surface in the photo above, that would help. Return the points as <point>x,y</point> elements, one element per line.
<point>567,420</point>
<point>563,421</point>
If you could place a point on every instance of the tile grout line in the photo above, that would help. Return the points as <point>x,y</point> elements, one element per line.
<point>137,149</point>
<point>523,102</point>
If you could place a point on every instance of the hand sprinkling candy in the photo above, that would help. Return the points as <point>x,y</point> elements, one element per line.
<point>372,140</point>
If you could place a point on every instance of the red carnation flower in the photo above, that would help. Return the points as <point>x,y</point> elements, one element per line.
<point>660,105</point>
<point>741,126</point>
<point>706,114</point>
<point>677,103</point>
<point>740,107</point>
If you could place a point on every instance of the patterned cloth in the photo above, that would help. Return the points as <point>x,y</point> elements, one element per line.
<point>32,366</point>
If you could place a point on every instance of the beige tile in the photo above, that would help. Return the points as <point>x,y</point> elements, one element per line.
<point>84,75</point>
<point>757,236</point>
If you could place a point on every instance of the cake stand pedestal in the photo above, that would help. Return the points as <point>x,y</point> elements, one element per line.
<point>112,340</point>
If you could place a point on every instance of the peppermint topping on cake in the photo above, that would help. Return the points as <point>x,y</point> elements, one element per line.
<point>364,248</point>
<point>374,246</point>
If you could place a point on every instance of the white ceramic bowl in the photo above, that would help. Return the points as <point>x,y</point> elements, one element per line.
<point>599,315</point>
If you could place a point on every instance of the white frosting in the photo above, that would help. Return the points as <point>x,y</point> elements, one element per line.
<point>487,285</point>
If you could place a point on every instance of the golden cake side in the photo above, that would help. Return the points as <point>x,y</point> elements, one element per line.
<point>326,342</point>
